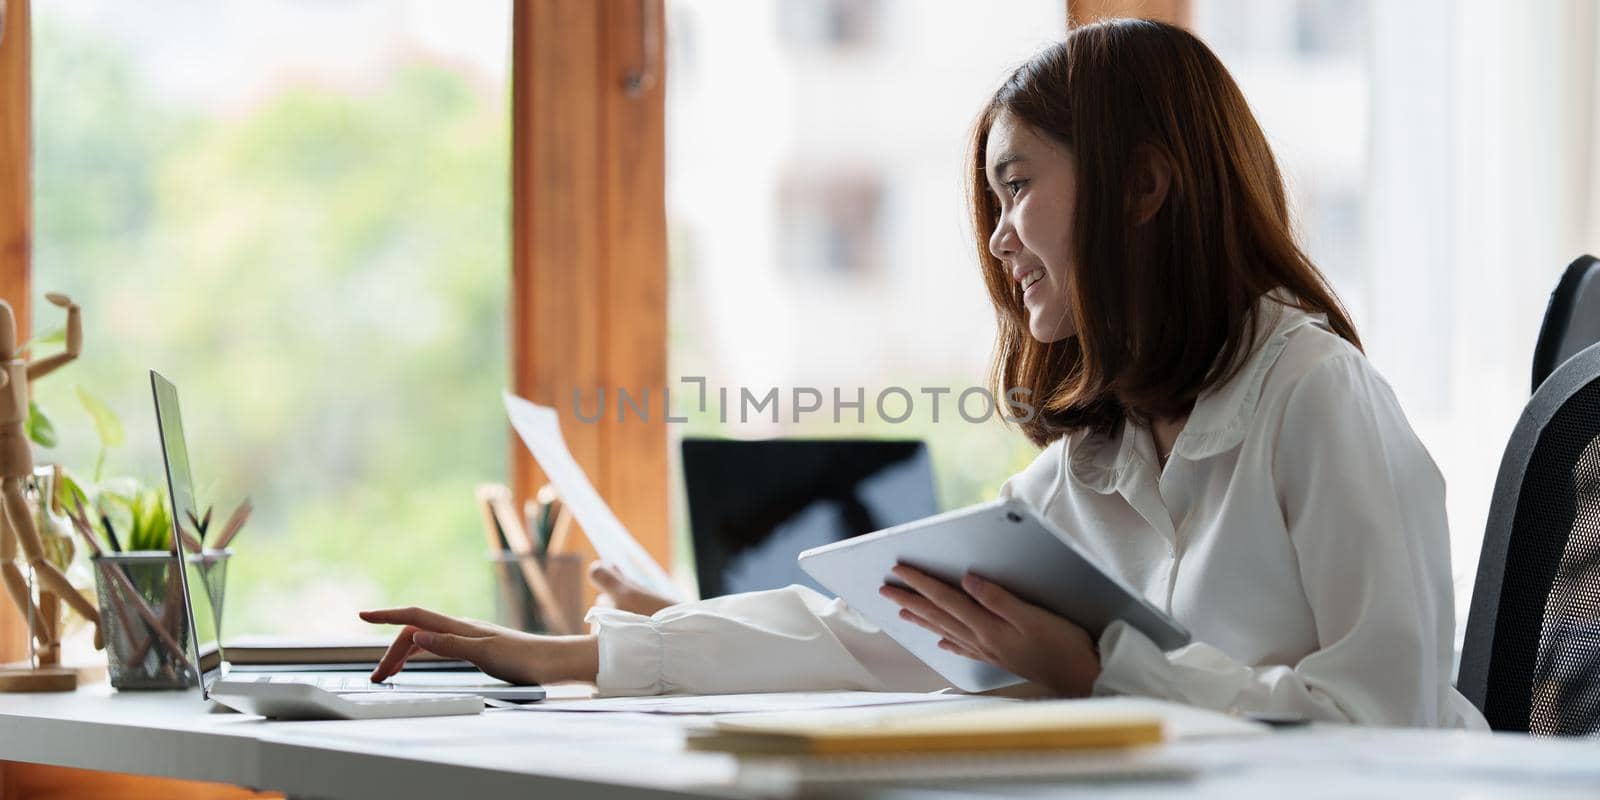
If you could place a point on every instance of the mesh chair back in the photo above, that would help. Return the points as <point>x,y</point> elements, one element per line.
<point>1531,661</point>
<point>1571,319</point>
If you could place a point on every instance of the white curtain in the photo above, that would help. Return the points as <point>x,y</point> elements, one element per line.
<point>1484,182</point>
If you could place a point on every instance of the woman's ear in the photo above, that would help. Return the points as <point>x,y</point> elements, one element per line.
<point>1148,183</point>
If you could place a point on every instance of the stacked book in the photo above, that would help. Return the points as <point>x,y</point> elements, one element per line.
<point>273,654</point>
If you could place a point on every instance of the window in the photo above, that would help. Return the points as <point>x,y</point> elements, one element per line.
<point>829,24</point>
<point>312,242</point>
<point>1442,194</point>
<point>819,235</point>
<point>829,223</point>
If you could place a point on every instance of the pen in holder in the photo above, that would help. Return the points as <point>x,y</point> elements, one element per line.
<point>528,567</point>
<point>147,631</point>
<point>516,605</point>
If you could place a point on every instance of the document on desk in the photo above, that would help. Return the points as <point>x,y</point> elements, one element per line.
<point>749,703</point>
<point>1179,722</point>
<point>539,427</point>
<point>784,775</point>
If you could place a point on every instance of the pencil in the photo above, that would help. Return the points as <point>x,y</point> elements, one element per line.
<point>189,539</point>
<point>236,522</point>
<point>195,543</point>
<point>562,530</point>
<point>549,501</point>
<point>80,520</point>
<point>111,533</point>
<point>487,495</point>
<point>80,523</point>
<point>533,512</point>
<point>549,607</point>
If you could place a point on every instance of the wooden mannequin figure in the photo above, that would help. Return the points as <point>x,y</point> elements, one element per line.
<point>16,466</point>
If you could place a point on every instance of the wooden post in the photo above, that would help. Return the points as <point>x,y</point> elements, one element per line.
<point>16,222</point>
<point>589,282</point>
<point>1177,12</point>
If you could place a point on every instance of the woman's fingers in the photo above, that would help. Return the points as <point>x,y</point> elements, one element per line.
<point>607,579</point>
<point>426,620</point>
<point>502,653</point>
<point>1014,610</point>
<point>958,649</point>
<point>952,601</point>
<point>625,594</point>
<point>449,645</point>
<point>416,621</point>
<point>947,640</point>
<point>912,617</point>
<point>402,648</point>
<point>925,611</point>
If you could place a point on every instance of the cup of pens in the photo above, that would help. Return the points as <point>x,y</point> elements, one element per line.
<point>145,623</point>
<point>517,603</point>
<point>539,586</point>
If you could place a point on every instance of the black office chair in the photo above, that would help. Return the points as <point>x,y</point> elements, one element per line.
<point>1531,661</point>
<point>1571,319</point>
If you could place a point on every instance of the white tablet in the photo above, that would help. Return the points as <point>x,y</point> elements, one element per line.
<point>1004,541</point>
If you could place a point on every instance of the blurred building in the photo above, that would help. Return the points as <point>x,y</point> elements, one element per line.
<point>815,157</point>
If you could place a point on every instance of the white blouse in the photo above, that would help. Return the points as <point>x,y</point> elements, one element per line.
<point>1298,531</point>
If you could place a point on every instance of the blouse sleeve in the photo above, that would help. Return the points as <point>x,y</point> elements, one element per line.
<point>789,639</point>
<point>1364,507</point>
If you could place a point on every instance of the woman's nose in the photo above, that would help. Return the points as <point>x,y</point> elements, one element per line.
<point>1003,242</point>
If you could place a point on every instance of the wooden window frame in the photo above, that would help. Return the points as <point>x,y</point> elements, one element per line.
<point>16,220</point>
<point>589,243</point>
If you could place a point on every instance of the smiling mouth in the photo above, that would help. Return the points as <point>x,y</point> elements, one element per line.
<point>1032,278</point>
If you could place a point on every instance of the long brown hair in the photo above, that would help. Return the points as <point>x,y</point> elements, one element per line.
<point>1162,318</point>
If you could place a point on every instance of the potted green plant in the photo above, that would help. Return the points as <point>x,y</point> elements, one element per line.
<point>129,525</point>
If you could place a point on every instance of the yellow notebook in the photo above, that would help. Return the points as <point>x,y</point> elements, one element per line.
<point>1027,726</point>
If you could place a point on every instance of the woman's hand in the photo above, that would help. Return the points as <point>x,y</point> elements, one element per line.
<point>624,593</point>
<point>510,655</point>
<point>987,623</point>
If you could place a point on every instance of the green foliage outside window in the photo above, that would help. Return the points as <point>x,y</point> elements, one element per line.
<point>322,270</point>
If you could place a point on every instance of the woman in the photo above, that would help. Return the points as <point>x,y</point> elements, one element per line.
<point>1211,432</point>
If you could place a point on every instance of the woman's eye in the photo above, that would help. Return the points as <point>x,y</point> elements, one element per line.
<point>1013,187</point>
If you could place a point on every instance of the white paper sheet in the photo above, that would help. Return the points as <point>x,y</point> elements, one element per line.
<point>748,703</point>
<point>540,429</point>
<point>1182,722</point>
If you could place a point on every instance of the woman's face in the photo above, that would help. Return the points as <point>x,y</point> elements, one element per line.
<point>1035,178</point>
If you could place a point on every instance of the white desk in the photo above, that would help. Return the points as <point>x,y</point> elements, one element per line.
<point>499,753</point>
<point>548,754</point>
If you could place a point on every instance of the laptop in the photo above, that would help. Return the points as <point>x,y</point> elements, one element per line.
<point>792,495</point>
<point>291,695</point>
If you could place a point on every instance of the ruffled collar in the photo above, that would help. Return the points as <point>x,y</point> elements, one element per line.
<point>1221,414</point>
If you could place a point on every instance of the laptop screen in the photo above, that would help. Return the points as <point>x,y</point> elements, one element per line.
<point>755,505</point>
<point>201,585</point>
